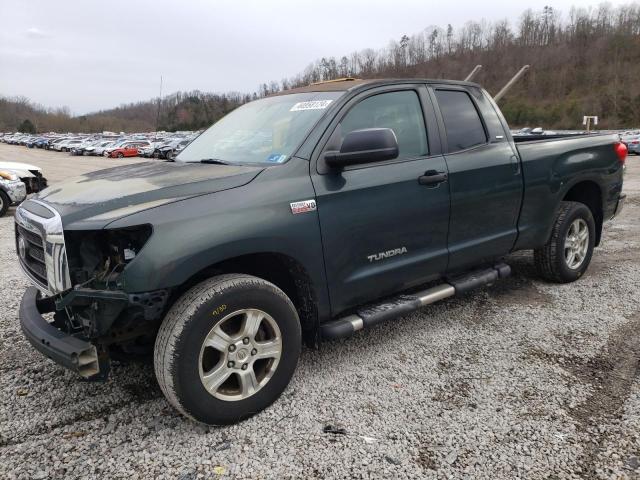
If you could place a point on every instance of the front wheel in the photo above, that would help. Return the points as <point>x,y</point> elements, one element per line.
<point>120,155</point>
<point>567,254</point>
<point>227,348</point>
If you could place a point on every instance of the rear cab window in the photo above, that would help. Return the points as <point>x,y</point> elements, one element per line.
<point>463,125</point>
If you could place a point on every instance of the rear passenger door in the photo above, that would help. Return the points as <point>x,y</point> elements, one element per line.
<point>382,230</point>
<point>485,179</point>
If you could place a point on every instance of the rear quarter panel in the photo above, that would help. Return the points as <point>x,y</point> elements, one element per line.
<point>551,168</point>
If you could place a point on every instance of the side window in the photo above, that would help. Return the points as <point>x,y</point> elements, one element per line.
<point>461,120</point>
<point>399,111</point>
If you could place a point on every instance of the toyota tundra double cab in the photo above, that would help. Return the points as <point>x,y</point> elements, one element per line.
<point>301,217</point>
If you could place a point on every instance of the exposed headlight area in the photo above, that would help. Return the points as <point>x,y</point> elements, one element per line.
<point>99,257</point>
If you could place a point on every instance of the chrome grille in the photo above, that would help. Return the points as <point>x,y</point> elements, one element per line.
<point>31,254</point>
<point>41,249</point>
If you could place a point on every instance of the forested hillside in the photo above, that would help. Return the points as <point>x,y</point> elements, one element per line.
<point>586,62</point>
<point>179,111</point>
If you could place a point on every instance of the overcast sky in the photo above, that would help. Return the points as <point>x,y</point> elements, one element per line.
<point>95,54</point>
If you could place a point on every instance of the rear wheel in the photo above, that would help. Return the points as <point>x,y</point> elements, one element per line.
<point>5,201</point>
<point>567,254</point>
<point>169,155</point>
<point>227,348</point>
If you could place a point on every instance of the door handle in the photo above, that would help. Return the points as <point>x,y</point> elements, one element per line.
<point>431,177</point>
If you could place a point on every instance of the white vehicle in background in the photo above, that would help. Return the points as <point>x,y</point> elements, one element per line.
<point>12,191</point>
<point>97,148</point>
<point>71,144</point>
<point>147,151</point>
<point>28,174</point>
<point>17,180</point>
<point>62,145</point>
<point>79,148</point>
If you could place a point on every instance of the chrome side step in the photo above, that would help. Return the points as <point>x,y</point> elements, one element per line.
<point>371,315</point>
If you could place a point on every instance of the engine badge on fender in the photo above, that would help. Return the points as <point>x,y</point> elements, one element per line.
<point>303,206</point>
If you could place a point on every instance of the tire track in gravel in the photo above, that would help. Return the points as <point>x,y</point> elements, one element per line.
<point>135,397</point>
<point>611,375</point>
<point>101,412</point>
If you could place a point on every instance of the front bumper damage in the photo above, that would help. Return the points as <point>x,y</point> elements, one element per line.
<point>86,324</point>
<point>69,351</point>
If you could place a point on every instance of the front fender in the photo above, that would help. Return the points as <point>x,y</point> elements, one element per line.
<point>193,234</point>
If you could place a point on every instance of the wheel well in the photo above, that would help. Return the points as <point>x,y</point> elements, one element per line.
<point>281,270</point>
<point>589,194</point>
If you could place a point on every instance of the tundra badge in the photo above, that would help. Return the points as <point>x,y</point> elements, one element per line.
<point>389,253</point>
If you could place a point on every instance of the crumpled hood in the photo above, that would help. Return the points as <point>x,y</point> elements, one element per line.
<point>98,198</point>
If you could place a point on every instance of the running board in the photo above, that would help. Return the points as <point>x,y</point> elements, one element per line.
<point>371,315</point>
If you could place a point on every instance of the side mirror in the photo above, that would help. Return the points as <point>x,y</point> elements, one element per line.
<point>364,146</point>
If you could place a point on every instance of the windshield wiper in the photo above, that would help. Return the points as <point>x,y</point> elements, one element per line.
<point>214,161</point>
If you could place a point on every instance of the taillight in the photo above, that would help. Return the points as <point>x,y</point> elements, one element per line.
<point>635,142</point>
<point>621,152</point>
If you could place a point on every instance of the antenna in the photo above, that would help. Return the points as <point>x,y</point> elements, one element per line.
<point>155,138</point>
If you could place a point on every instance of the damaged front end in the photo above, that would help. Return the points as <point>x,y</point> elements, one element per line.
<point>78,278</point>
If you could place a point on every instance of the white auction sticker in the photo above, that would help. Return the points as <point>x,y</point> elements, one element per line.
<point>311,105</point>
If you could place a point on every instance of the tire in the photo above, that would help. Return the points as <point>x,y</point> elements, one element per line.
<point>5,201</point>
<point>554,261</point>
<point>120,155</point>
<point>180,356</point>
<point>169,155</point>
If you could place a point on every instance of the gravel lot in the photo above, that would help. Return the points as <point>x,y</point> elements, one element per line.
<point>520,380</point>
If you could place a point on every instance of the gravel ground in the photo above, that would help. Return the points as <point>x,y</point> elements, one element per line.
<point>520,380</point>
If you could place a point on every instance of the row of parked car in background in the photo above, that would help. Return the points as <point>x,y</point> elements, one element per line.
<point>18,180</point>
<point>632,140</point>
<point>165,145</point>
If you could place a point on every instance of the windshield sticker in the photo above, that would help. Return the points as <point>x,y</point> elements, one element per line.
<point>312,105</point>
<point>276,158</point>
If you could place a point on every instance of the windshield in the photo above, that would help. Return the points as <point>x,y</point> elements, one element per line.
<point>263,131</point>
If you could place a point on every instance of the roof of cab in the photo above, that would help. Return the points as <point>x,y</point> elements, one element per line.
<point>344,84</point>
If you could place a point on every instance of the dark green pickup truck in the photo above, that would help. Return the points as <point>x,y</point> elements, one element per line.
<point>304,216</point>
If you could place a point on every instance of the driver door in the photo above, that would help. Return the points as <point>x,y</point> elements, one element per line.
<point>382,230</point>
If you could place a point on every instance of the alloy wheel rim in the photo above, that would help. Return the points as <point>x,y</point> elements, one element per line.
<point>240,354</point>
<point>576,244</point>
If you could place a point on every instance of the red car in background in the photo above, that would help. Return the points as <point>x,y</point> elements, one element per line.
<point>128,150</point>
